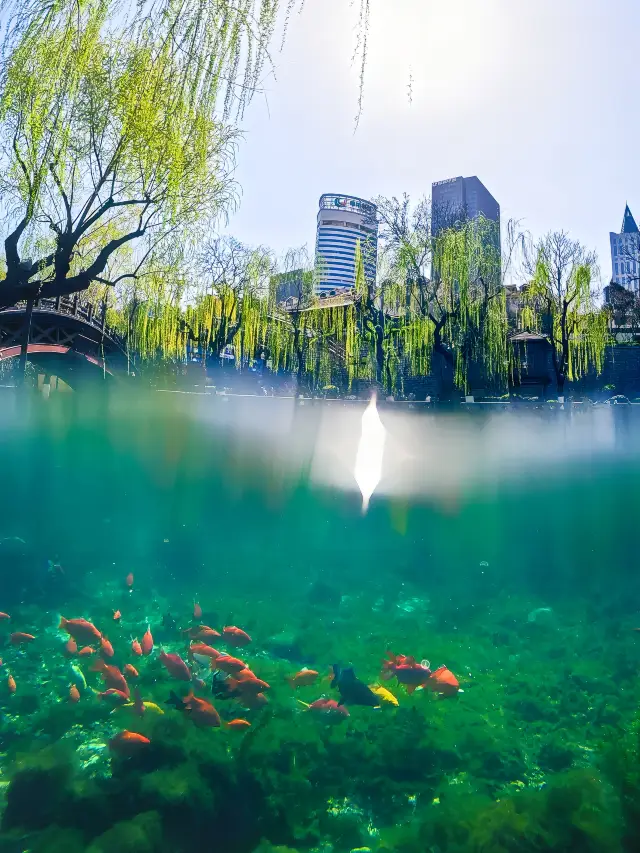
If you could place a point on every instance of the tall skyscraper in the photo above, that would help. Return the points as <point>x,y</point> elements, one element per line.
<point>458,199</point>
<point>344,221</point>
<point>625,253</point>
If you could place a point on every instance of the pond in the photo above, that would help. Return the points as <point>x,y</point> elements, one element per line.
<point>487,599</point>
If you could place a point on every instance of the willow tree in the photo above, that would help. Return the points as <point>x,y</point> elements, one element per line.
<point>111,131</point>
<point>559,303</point>
<point>449,280</point>
<point>231,298</point>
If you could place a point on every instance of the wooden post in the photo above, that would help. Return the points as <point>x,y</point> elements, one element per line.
<point>26,334</point>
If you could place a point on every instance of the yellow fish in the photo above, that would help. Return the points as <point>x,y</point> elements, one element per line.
<point>386,696</point>
<point>148,706</point>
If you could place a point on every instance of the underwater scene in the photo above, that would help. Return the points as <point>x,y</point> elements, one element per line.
<point>280,626</point>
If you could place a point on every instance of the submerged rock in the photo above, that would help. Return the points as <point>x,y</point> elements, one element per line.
<point>143,834</point>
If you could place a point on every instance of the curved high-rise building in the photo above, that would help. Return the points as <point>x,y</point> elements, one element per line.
<point>343,222</point>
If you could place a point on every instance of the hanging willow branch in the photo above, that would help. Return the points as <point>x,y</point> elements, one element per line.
<point>559,303</point>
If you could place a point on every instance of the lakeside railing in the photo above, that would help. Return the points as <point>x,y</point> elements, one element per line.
<point>72,306</point>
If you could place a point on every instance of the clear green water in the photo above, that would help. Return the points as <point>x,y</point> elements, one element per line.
<point>501,545</point>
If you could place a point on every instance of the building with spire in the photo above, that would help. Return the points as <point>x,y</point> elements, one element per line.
<point>625,253</point>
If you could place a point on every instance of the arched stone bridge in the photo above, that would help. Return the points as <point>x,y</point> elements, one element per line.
<point>66,330</point>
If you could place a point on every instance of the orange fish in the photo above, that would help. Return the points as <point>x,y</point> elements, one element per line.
<point>106,649</point>
<point>114,697</point>
<point>238,724</point>
<point>228,664</point>
<point>147,642</point>
<point>443,682</point>
<point>80,630</point>
<point>131,671</point>
<point>74,694</point>
<point>11,684</point>
<point>117,616</point>
<point>18,638</point>
<point>175,666</point>
<point>248,681</point>
<point>136,648</point>
<point>70,647</point>
<point>303,678</point>
<point>112,676</point>
<point>128,743</point>
<point>202,632</point>
<point>204,650</point>
<point>129,580</point>
<point>86,652</point>
<point>235,636</point>
<point>4,617</point>
<point>197,611</point>
<point>201,712</point>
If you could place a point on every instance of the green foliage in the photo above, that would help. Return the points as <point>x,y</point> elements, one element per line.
<point>559,303</point>
<point>142,834</point>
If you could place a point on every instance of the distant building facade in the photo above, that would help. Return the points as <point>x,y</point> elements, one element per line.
<point>625,253</point>
<point>458,199</point>
<point>344,222</point>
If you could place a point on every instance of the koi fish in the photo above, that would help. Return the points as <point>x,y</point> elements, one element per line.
<point>386,696</point>
<point>19,638</point>
<point>235,636</point>
<point>136,648</point>
<point>81,630</point>
<point>127,743</point>
<point>303,678</point>
<point>175,666</point>
<point>147,642</point>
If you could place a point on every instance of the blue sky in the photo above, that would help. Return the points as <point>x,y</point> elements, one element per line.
<point>536,97</point>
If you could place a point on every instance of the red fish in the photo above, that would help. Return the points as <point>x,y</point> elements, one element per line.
<point>204,650</point>
<point>131,671</point>
<point>136,648</point>
<point>129,580</point>
<point>197,611</point>
<point>389,664</point>
<point>330,708</point>
<point>247,684</point>
<point>147,642</point>
<point>408,671</point>
<point>228,664</point>
<point>117,616</point>
<point>80,630</point>
<point>202,632</point>
<point>128,743</point>
<point>114,697</point>
<point>443,682</point>
<point>18,638</point>
<point>238,725</point>
<point>74,694</point>
<point>106,649</point>
<point>11,684</point>
<point>175,666</point>
<point>86,652</point>
<point>4,617</point>
<point>202,712</point>
<point>235,636</point>
<point>112,676</point>
<point>70,647</point>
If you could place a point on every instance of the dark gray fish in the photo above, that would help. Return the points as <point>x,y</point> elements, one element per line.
<point>169,622</point>
<point>352,690</point>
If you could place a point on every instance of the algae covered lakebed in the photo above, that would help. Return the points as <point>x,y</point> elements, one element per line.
<point>501,546</point>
